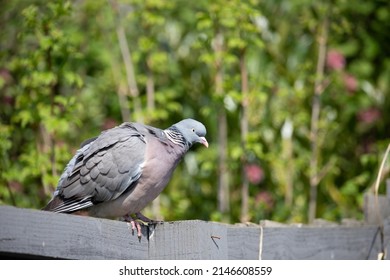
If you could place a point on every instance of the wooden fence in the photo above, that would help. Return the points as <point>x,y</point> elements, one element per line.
<point>34,234</point>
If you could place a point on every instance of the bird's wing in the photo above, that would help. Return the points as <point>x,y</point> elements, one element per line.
<point>102,169</point>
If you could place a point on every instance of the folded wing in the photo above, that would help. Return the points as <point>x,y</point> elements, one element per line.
<point>101,170</point>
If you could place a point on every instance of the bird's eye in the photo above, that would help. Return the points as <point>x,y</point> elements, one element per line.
<point>193,130</point>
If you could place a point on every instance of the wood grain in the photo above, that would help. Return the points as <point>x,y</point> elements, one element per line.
<point>51,235</point>
<point>34,234</point>
<point>192,240</point>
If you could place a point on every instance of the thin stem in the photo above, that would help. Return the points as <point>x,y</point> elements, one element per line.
<point>244,134</point>
<point>126,56</point>
<point>223,176</point>
<point>315,116</point>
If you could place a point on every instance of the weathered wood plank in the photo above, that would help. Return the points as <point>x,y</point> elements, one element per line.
<point>371,208</point>
<point>193,240</point>
<point>386,240</point>
<point>306,243</point>
<point>51,235</point>
<point>38,234</point>
<point>243,242</point>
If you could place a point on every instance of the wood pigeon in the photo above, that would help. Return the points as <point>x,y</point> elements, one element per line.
<point>123,169</point>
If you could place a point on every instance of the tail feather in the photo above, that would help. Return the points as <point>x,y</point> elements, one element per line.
<point>60,205</point>
<point>53,204</point>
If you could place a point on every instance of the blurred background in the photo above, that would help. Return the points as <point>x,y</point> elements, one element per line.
<point>294,94</point>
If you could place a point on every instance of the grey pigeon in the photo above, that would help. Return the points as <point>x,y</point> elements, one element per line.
<point>123,169</point>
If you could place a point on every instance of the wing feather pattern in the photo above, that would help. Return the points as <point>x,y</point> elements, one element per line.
<point>101,170</point>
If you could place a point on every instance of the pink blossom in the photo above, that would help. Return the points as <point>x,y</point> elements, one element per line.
<point>335,60</point>
<point>9,100</point>
<point>5,75</point>
<point>369,116</point>
<point>350,83</point>
<point>264,197</point>
<point>254,173</point>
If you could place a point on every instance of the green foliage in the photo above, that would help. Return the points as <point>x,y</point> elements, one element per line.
<point>62,80</point>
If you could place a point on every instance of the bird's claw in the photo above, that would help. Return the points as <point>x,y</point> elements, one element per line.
<point>143,218</point>
<point>146,220</point>
<point>134,225</point>
<point>133,221</point>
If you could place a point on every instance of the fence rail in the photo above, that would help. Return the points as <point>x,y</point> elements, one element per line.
<point>34,234</point>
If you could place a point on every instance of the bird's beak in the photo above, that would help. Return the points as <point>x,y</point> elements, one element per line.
<point>204,141</point>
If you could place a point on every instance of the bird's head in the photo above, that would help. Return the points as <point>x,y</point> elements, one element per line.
<point>193,131</point>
